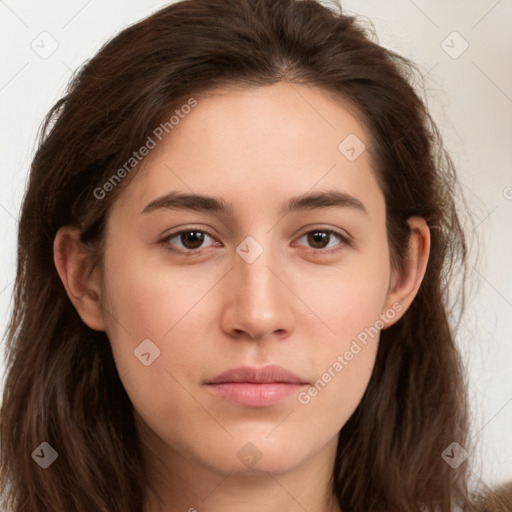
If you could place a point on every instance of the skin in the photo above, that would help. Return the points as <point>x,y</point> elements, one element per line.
<point>255,148</point>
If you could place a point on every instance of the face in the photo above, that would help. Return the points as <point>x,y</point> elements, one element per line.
<point>261,276</point>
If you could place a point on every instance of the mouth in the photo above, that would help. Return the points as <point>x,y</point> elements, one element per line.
<point>256,387</point>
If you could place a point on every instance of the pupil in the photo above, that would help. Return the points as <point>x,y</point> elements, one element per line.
<point>319,236</point>
<point>197,239</point>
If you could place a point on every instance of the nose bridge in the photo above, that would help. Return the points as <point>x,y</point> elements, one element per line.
<point>259,302</point>
<point>255,259</point>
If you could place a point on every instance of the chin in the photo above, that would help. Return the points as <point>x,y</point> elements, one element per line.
<point>257,455</point>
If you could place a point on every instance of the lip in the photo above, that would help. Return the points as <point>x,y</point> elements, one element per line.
<point>256,387</point>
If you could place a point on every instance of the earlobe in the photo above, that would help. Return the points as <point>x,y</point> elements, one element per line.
<point>405,285</point>
<point>82,286</point>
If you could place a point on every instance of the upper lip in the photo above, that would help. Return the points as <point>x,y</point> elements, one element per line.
<point>265,374</point>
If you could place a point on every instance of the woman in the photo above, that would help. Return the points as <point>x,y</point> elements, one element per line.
<point>234,254</point>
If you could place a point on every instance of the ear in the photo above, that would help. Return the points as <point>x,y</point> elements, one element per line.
<point>404,285</point>
<point>82,286</point>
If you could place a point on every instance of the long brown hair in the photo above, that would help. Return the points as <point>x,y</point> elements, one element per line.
<point>498,499</point>
<point>62,386</point>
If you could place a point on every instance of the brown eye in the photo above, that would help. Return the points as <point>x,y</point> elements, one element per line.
<point>192,239</point>
<point>187,241</point>
<point>319,239</point>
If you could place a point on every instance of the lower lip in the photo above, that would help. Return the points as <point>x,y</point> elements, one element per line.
<point>255,395</point>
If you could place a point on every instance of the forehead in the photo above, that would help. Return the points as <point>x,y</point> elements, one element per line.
<point>259,144</point>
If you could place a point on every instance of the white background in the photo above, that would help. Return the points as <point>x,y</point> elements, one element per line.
<point>470,97</point>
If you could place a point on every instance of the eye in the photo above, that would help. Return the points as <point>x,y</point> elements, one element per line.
<point>325,240</point>
<point>192,241</point>
<point>188,241</point>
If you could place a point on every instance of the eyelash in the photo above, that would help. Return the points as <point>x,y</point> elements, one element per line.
<point>344,241</point>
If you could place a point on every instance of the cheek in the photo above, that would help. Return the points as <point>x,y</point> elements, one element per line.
<point>348,299</point>
<point>147,298</point>
<point>350,304</point>
<point>144,303</point>
<point>152,301</point>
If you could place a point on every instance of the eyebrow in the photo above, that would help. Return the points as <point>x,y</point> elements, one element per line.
<point>202,203</point>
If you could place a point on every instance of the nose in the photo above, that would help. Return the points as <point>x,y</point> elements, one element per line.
<point>258,301</point>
